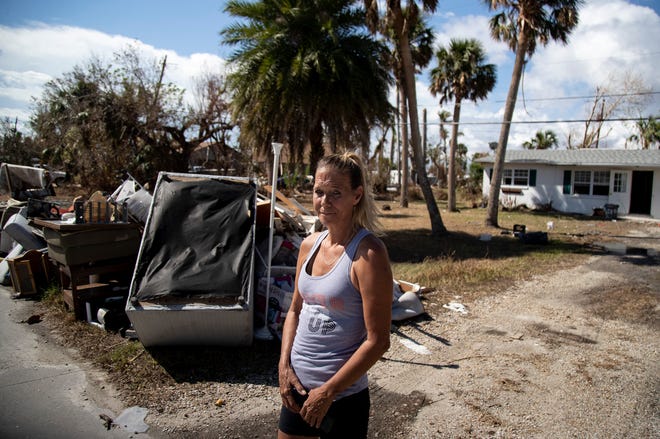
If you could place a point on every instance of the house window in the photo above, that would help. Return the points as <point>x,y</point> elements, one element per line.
<point>582,182</point>
<point>620,182</point>
<point>601,184</point>
<point>507,177</point>
<point>520,177</point>
<point>517,177</point>
<point>591,183</point>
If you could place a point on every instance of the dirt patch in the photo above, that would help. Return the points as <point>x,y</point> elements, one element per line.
<point>570,354</point>
<point>635,304</point>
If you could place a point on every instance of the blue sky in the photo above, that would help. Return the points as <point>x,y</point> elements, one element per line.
<point>616,39</point>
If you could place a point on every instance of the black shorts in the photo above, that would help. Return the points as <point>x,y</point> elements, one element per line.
<point>347,418</point>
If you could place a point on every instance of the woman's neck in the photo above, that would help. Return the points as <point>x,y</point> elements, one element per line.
<point>341,235</point>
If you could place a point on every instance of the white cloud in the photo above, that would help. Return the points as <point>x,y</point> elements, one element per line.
<point>612,38</point>
<point>477,27</point>
<point>53,49</point>
<point>17,85</point>
<point>34,54</point>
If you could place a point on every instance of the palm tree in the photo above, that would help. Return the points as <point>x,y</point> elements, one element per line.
<point>444,116</point>
<point>421,50</point>
<point>521,25</point>
<point>304,69</point>
<point>542,140</point>
<point>400,22</point>
<point>438,154</point>
<point>648,132</point>
<point>461,74</point>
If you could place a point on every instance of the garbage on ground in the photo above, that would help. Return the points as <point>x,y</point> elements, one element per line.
<point>457,307</point>
<point>280,295</point>
<point>134,196</point>
<point>25,182</point>
<point>519,229</point>
<point>132,420</point>
<point>520,232</point>
<point>405,300</point>
<point>414,346</point>
<point>46,243</point>
<point>534,238</point>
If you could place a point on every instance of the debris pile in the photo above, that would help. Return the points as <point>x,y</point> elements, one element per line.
<point>103,252</point>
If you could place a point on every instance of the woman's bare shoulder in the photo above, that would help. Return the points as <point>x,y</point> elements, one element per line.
<point>372,244</point>
<point>309,241</point>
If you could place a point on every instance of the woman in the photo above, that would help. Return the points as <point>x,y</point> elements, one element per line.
<point>339,321</point>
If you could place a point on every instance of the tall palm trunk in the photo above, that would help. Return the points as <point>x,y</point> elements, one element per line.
<point>500,153</point>
<point>404,148</point>
<point>316,151</point>
<point>437,226</point>
<point>451,182</point>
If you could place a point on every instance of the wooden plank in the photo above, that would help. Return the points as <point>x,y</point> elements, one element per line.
<point>289,202</point>
<point>68,227</point>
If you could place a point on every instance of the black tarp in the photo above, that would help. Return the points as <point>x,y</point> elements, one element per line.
<point>198,241</point>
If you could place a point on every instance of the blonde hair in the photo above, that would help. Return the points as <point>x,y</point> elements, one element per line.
<point>365,213</point>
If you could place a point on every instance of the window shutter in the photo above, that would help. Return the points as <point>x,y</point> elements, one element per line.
<point>532,177</point>
<point>490,174</point>
<point>567,182</point>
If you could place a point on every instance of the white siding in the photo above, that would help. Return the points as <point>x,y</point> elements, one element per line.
<point>550,166</point>
<point>549,190</point>
<point>655,196</point>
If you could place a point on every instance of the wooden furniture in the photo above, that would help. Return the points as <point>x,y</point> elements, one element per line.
<point>80,286</point>
<point>87,253</point>
<point>28,273</point>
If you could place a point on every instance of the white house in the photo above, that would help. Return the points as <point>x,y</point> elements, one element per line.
<point>580,180</point>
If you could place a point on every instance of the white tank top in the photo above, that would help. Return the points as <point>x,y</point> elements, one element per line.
<point>331,325</point>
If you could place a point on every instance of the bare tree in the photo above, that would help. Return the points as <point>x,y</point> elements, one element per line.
<point>624,95</point>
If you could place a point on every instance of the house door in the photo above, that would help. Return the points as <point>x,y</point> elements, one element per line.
<point>640,194</point>
<point>620,190</point>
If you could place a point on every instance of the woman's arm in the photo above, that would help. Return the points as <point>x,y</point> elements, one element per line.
<point>372,276</point>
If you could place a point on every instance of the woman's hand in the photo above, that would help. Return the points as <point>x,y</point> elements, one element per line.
<point>316,407</point>
<point>290,383</point>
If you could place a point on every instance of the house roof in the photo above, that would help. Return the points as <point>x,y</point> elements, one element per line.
<point>647,158</point>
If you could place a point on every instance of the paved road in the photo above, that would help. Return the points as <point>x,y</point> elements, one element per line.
<point>43,393</point>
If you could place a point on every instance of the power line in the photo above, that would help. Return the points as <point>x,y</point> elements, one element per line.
<point>566,98</point>
<point>617,57</point>
<point>525,122</point>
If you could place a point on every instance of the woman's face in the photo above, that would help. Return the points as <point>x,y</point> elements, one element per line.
<point>333,196</point>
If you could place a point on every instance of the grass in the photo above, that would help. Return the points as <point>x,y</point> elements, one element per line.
<point>122,354</point>
<point>460,263</point>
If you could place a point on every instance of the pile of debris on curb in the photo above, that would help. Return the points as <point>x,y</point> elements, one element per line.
<point>192,263</point>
